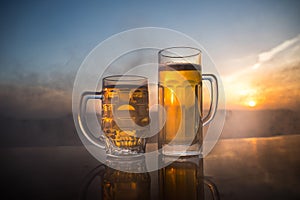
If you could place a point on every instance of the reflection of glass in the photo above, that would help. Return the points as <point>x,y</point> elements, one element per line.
<point>124,185</point>
<point>108,183</point>
<point>184,179</point>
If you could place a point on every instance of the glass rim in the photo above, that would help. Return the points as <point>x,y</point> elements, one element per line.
<point>125,78</point>
<point>162,52</point>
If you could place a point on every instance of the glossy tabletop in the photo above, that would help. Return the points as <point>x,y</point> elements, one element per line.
<point>252,168</point>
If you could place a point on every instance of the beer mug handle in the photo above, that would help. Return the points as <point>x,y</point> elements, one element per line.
<point>212,188</point>
<point>86,96</point>
<point>214,95</point>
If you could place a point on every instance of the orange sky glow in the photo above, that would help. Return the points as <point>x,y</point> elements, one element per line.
<point>273,82</point>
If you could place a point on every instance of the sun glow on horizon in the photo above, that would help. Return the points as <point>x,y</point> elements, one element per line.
<point>251,103</point>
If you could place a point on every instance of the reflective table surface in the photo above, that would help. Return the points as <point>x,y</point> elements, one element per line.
<point>253,168</point>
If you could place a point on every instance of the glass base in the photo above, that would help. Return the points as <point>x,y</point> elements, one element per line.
<point>181,150</point>
<point>124,152</point>
<point>125,156</point>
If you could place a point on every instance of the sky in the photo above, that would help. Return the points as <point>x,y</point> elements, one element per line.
<point>43,44</point>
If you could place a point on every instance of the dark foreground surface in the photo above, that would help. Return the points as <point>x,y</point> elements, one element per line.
<point>256,168</point>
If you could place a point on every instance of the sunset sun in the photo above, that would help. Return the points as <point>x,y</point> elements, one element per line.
<point>251,103</point>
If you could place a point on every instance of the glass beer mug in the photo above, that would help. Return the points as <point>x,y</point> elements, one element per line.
<point>124,115</point>
<point>180,96</point>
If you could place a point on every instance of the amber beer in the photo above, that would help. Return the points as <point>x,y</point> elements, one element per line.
<point>180,94</point>
<point>125,115</point>
<point>180,97</point>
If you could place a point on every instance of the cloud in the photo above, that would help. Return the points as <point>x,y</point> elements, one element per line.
<point>31,102</point>
<point>268,55</point>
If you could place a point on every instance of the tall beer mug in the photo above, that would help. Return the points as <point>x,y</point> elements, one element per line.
<point>180,97</point>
